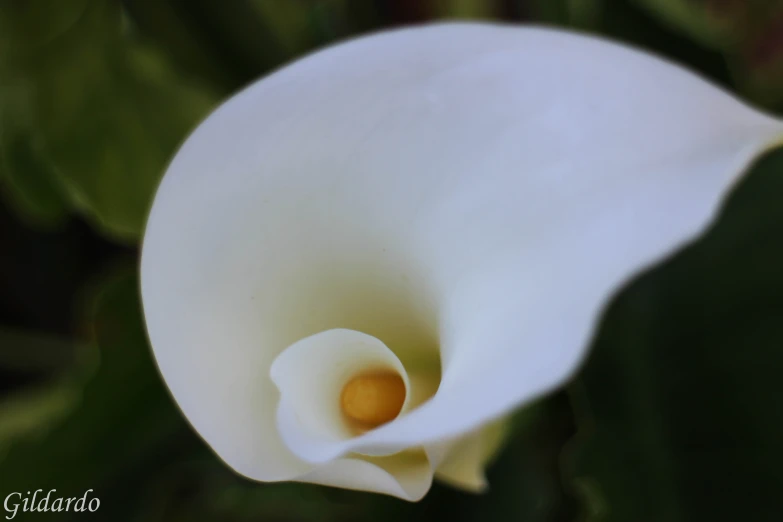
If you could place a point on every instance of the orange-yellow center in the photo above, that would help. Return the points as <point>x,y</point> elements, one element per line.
<point>372,399</point>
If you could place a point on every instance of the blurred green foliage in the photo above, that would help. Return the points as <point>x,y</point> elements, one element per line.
<point>749,33</point>
<point>89,115</point>
<point>679,405</point>
<point>675,417</point>
<point>65,366</point>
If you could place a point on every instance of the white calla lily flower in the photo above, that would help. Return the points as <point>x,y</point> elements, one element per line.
<point>356,267</point>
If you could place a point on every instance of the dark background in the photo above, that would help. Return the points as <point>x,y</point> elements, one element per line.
<point>677,415</point>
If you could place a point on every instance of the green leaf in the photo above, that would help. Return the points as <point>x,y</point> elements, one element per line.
<point>746,32</point>
<point>714,24</point>
<point>525,479</point>
<point>625,21</point>
<point>34,23</point>
<point>50,376</point>
<point>23,351</point>
<point>554,12</point>
<point>265,34</point>
<point>27,176</point>
<point>214,492</point>
<point>757,61</point>
<point>469,9</point>
<point>679,407</point>
<point>581,14</point>
<point>30,413</point>
<point>102,115</point>
<point>293,25</point>
<point>175,29</point>
<point>112,161</point>
<point>121,422</point>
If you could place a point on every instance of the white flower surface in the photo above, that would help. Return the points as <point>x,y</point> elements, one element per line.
<point>356,267</point>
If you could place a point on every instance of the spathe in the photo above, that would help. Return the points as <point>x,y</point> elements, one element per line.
<point>471,193</point>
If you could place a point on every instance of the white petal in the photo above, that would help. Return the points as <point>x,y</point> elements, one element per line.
<point>406,475</point>
<point>310,376</point>
<point>474,188</point>
<point>465,465</point>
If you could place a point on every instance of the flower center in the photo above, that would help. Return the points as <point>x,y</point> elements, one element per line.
<point>372,399</point>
